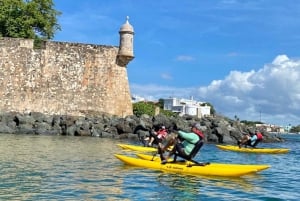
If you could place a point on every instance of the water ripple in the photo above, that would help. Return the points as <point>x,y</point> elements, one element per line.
<point>78,168</point>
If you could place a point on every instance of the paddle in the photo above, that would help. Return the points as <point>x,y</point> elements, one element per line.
<point>154,155</point>
<point>159,151</point>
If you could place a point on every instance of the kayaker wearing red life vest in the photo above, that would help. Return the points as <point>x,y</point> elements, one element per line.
<point>251,139</point>
<point>160,135</point>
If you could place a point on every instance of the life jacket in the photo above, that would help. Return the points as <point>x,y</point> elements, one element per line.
<point>259,136</point>
<point>162,133</point>
<point>199,133</point>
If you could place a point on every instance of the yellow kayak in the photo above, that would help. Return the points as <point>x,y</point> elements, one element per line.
<point>254,150</point>
<point>188,168</point>
<point>137,148</point>
<point>258,167</point>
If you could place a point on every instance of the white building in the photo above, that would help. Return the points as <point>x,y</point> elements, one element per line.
<point>186,106</point>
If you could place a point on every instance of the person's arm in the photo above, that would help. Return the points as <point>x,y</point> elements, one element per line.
<point>190,137</point>
<point>170,141</point>
<point>253,139</point>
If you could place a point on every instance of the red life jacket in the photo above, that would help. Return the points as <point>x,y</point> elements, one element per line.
<point>259,136</point>
<point>162,133</point>
<point>199,133</point>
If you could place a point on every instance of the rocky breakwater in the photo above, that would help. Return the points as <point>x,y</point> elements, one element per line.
<point>216,129</point>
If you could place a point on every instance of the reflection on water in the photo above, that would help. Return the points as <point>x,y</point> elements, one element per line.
<point>157,184</point>
<point>197,185</point>
<point>36,167</point>
<point>84,168</point>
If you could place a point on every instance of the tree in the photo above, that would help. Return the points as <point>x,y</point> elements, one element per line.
<point>34,19</point>
<point>161,103</point>
<point>295,129</point>
<point>141,108</point>
<point>148,108</point>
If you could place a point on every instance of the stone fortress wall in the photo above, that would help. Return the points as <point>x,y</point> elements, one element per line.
<point>66,78</point>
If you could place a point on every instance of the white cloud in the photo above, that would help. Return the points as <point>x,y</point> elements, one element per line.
<point>232,54</point>
<point>270,94</point>
<point>166,76</point>
<point>280,59</point>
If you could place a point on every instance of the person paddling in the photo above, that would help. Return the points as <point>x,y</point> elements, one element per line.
<point>158,136</point>
<point>251,139</point>
<point>183,143</point>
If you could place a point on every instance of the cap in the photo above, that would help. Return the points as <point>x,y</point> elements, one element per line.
<point>163,127</point>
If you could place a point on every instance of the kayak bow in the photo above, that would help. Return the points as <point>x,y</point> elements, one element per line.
<point>137,148</point>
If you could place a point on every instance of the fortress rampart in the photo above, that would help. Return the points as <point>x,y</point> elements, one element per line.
<point>65,78</point>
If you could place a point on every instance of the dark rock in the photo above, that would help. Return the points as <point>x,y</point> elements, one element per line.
<point>43,128</point>
<point>216,129</point>
<point>105,134</point>
<point>25,129</point>
<point>6,129</point>
<point>24,119</point>
<point>72,130</point>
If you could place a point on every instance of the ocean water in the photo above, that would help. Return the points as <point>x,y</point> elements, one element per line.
<point>84,168</point>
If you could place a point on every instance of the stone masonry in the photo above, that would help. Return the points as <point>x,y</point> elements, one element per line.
<point>63,78</point>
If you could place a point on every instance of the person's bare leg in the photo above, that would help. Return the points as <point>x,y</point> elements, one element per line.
<point>244,141</point>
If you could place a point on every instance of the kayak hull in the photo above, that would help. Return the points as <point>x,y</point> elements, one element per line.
<point>258,167</point>
<point>188,168</point>
<point>253,150</point>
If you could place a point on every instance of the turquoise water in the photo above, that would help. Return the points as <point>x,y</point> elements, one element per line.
<point>84,168</point>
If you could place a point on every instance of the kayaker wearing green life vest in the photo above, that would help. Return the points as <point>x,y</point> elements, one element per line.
<point>183,143</point>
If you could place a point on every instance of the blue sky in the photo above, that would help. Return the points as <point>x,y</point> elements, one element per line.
<point>242,56</point>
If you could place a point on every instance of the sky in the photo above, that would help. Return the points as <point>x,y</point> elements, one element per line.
<point>242,56</point>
